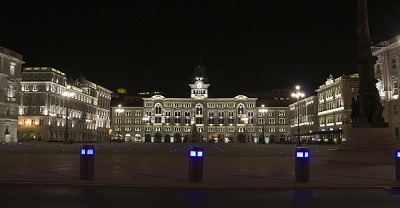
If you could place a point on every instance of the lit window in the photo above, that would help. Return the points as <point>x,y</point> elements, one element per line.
<point>12,69</point>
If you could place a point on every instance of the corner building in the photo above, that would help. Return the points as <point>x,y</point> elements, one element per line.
<point>215,120</point>
<point>387,72</point>
<point>47,114</point>
<point>10,78</point>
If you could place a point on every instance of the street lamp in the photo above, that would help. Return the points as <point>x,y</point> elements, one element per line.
<point>245,121</point>
<point>118,111</point>
<point>67,94</point>
<point>264,112</point>
<point>146,120</point>
<point>298,94</point>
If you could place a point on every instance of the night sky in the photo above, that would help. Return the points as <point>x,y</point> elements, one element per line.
<point>154,45</point>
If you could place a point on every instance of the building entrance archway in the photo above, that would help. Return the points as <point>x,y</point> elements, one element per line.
<point>271,139</point>
<point>241,138</point>
<point>157,138</point>
<point>221,138</point>
<point>32,136</point>
<point>167,138</point>
<point>147,138</point>
<point>261,139</point>
<point>177,138</point>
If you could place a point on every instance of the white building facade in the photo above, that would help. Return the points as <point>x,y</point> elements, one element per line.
<point>304,120</point>
<point>334,107</point>
<point>387,72</point>
<point>47,114</point>
<point>172,120</point>
<point>10,78</point>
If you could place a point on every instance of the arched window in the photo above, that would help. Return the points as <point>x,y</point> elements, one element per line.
<point>240,109</point>
<point>199,109</point>
<point>158,108</point>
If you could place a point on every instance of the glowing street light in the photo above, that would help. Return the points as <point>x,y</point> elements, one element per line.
<point>67,94</point>
<point>245,121</point>
<point>264,111</point>
<point>118,111</point>
<point>298,94</point>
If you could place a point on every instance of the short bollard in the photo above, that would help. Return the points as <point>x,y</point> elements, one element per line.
<point>196,164</point>
<point>87,162</point>
<point>302,164</point>
<point>397,163</point>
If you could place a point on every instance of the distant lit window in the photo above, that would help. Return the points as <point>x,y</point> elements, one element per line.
<point>271,121</point>
<point>12,69</point>
<point>240,109</point>
<point>199,109</point>
<point>394,66</point>
<point>158,108</point>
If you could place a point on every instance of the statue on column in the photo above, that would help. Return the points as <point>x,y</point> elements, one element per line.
<point>367,106</point>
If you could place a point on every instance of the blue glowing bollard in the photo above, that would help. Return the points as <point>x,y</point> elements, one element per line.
<point>87,162</point>
<point>397,163</point>
<point>302,164</point>
<point>196,155</point>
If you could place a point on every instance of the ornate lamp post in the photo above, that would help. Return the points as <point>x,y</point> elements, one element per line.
<point>264,112</point>
<point>67,94</point>
<point>298,94</point>
<point>245,121</point>
<point>146,121</point>
<point>118,111</point>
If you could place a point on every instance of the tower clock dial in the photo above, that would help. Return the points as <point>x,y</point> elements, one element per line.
<point>199,84</point>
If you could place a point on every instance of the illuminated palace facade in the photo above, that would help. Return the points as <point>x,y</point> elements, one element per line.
<point>10,78</point>
<point>387,72</point>
<point>326,117</point>
<point>50,109</point>
<point>225,120</point>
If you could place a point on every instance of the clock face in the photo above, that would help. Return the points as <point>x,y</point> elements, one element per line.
<point>199,85</point>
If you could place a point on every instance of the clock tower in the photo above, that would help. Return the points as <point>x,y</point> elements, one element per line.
<point>199,86</point>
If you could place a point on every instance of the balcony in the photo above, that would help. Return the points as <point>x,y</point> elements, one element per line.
<point>11,99</point>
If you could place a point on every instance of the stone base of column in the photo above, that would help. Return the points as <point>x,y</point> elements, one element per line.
<point>368,144</point>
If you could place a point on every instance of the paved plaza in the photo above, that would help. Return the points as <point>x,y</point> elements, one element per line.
<point>166,165</point>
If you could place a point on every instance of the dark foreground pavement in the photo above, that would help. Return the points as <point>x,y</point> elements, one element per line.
<point>98,196</point>
<point>166,165</point>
